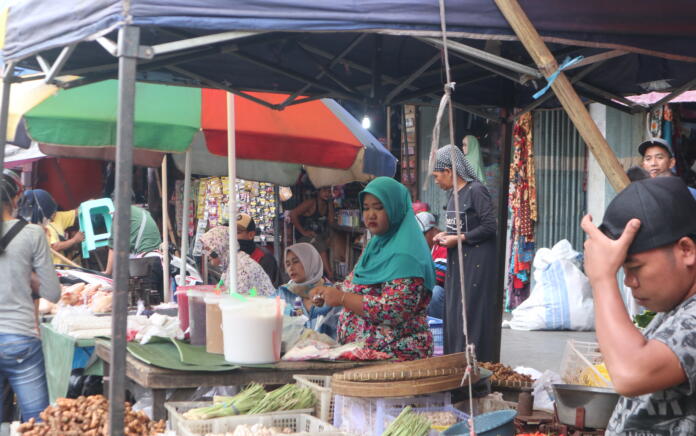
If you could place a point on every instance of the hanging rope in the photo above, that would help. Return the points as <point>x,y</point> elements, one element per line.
<point>469,351</point>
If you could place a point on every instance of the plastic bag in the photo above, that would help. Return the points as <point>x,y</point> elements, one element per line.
<point>561,298</point>
<point>85,385</point>
<point>543,390</point>
<point>293,326</point>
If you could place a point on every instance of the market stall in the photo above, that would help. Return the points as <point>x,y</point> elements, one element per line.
<point>415,18</point>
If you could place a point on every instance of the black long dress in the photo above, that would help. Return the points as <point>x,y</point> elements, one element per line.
<point>479,248</point>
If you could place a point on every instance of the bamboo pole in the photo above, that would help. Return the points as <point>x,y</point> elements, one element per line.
<point>570,100</point>
<point>64,259</point>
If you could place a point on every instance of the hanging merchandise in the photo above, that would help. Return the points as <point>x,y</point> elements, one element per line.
<point>254,198</point>
<point>523,210</point>
<point>655,122</point>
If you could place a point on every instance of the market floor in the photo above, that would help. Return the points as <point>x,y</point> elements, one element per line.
<point>540,350</point>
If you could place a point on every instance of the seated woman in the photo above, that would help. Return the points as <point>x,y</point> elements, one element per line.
<point>312,219</point>
<point>216,245</point>
<point>385,299</point>
<point>304,267</point>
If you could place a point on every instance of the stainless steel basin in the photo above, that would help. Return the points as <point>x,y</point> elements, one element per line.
<point>584,406</point>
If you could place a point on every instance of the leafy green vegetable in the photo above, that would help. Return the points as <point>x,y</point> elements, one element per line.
<point>408,424</point>
<point>288,397</point>
<point>643,319</point>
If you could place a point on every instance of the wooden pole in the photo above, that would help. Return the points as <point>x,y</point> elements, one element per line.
<point>570,100</point>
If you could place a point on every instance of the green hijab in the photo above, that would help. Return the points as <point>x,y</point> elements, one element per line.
<point>401,252</point>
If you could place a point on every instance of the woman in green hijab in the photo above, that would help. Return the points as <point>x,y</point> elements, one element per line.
<point>385,299</point>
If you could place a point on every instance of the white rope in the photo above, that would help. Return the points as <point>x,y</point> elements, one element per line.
<point>469,351</point>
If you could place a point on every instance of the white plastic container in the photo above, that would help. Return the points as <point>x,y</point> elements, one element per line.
<point>252,330</point>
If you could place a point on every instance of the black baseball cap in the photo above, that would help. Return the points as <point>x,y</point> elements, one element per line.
<point>655,142</point>
<point>663,205</point>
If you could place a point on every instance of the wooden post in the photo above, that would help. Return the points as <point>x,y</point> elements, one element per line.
<point>570,100</point>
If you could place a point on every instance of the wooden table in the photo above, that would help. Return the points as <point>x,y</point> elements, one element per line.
<point>159,380</point>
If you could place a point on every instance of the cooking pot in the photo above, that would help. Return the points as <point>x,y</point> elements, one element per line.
<point>584,406</point>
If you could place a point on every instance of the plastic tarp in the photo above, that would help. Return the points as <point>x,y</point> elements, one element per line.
<point>36,25</point>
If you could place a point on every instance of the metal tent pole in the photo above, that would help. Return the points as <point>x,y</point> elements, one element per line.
<point>128,42</point>
<point>8,73</point>
<point>165,232</point>
<point>7,76</point>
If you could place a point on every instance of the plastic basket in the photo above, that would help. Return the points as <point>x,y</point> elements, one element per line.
<point>437,329</point>
<point>579,358</point>
<point>436,430</point>
<point>300,424</point>
<point>321,386</point>
<point>178,423</point>
<point>368,416</point>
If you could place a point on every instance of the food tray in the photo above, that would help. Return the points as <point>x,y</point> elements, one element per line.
<point>300,424</point>
<point>435,430</point>
<point>368,416</point>
<point>321,386</point>
<point>179,424</point>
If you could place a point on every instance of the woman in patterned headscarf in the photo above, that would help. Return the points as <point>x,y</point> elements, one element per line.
<point>216,245</point>
<point>478,233</point>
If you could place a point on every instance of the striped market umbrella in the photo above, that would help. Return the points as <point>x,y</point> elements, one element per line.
<point>272,145</point>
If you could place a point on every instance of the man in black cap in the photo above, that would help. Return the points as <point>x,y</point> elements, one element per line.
<point>246,231</point>
<point>658,159</point>
<point>649,229</point>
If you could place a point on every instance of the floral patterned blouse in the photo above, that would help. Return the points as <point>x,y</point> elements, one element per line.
<point>395,320</point>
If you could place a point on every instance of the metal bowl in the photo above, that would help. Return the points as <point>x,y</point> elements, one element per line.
<point>597,405</point>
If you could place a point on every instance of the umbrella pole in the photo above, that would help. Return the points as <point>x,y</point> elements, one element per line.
<point>276,225</point>
<point>232,201</point>
<point>128,43</point>
<point>185,221</point>
<point>165,232</point>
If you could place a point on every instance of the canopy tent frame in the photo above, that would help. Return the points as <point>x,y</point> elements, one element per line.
<point>131,53</point>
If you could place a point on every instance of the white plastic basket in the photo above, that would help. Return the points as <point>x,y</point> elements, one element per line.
<point>368,416</point>
<point>436,430</point>
<point>180,424</point>
<point>321,386</point>
<point>577,358</point>
<point>300,424</point>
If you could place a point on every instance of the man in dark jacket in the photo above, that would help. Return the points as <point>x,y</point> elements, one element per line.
<point>246,231</point>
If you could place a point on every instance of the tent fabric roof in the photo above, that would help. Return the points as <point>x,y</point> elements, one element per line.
<point>639,25</point>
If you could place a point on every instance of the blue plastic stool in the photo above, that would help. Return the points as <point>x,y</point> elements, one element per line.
<point>89,212</point>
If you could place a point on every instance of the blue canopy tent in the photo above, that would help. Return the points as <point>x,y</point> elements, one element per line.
<point>370,52</point>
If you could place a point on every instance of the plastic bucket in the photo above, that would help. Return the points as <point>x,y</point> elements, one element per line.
<point>196,302</point>
<point>498,423</point>
<point>252,329</point>
<point>182,302</point>
<point>214,342</point>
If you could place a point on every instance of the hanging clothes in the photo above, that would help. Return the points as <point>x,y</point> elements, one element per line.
<point>523,212</point>
<point>473,155</point>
